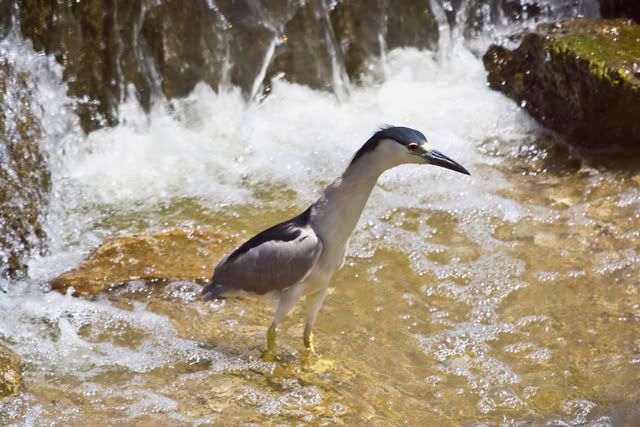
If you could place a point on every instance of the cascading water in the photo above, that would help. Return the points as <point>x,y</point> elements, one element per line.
<point>504,298</point>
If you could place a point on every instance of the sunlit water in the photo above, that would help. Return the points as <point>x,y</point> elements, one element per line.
<point>509,297</point>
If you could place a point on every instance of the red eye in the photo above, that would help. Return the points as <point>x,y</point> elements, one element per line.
<point>412,147</point>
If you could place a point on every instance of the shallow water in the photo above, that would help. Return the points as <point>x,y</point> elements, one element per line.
<point>510,297</point>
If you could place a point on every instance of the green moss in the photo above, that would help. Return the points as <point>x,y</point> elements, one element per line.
<point>611,48</point>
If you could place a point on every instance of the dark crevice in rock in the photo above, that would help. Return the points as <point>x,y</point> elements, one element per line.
<point>620,8</point>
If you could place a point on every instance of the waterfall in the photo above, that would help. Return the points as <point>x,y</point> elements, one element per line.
<point>481,300</point>
<point>154,50</point>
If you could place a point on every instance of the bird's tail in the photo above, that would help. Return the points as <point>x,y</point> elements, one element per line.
<point>212,291</point>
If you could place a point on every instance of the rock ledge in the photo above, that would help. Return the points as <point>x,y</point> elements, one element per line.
<point>10,372</point>
<point>579,77</point>
<point>162,256</point>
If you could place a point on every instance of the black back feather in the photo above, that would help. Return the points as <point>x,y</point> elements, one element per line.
<point>284,232</point>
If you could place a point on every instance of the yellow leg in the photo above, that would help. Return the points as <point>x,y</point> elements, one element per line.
<point>313,304</point>
<point>308,339</point>
<point>272,334</point>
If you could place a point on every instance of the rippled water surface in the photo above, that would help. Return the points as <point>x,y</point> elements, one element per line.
<point>508,298</point>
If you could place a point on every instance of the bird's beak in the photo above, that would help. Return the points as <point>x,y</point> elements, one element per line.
<point>435,157</point>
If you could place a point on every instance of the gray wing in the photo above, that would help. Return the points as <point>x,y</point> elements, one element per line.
<point>274,259</point>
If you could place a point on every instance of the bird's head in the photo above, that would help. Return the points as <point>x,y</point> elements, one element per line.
<point>396,145</point>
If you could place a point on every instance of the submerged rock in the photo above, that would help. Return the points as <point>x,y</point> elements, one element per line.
<point>24,175</point>
<point>162,256</point>
<point>10,371</point>
<point>580,78</point>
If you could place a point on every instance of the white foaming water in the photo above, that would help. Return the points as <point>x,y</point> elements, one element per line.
<point>50,103</point>
<point>212,144</point>
<point>216,147</point>
<point>46,331</point>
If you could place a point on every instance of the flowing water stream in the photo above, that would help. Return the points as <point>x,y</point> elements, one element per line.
<point>511,297</point>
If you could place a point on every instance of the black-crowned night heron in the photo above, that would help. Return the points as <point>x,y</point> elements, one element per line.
<point>299,256</point>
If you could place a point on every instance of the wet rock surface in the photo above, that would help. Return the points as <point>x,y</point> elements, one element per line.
<point>10,371</point>
<point>5,19</point>
<point>361,27</point>
<point>165,48</point>
<point>580,78</point>
<point>24,176</point>
<point>162,256</point>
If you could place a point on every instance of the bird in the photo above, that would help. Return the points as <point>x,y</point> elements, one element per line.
<point>300,255</point>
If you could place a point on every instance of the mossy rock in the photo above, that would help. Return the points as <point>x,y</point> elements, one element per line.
<point>10,372</point>
<point>578,77</point>
<point>162,256</point>
<point>24,175</point>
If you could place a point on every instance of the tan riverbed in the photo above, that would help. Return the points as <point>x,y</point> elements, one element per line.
<point>496,322</point>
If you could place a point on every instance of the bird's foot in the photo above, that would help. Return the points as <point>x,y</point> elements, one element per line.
<point>308,356</point>
<point>313,362</point>
<point>269,356</point>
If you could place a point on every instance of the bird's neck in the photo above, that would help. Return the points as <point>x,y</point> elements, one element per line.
<point>337,211</point>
